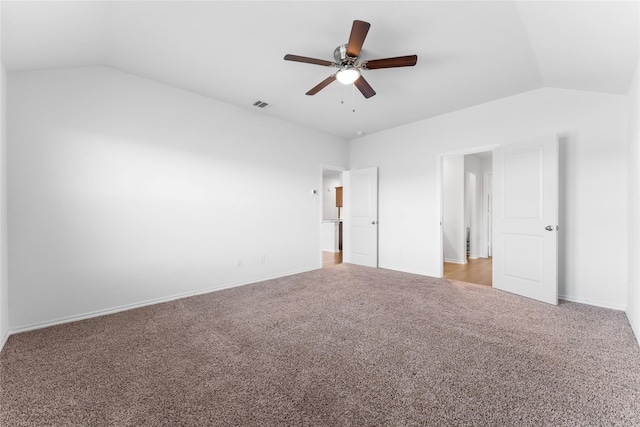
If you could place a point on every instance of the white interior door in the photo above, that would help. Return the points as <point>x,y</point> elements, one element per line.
<point>361,217</point>
<point>525,219</point>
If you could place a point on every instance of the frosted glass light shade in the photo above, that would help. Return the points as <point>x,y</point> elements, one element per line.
<point>346,76</point>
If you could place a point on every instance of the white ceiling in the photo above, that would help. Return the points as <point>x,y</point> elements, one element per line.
<point>469,52</point>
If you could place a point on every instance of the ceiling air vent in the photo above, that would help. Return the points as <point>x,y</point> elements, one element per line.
<point>261,104</point>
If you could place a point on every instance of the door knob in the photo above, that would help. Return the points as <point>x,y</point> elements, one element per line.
<point>373,222</point>
<point>549,228</point>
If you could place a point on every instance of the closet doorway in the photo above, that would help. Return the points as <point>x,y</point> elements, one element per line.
<point>467,217</point>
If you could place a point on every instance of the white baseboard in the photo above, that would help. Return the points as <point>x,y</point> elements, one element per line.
<point>455,261</point>
<point>3,340</point>
<point>592,302</point>
<point>126,307</point>
<point>634,327</point>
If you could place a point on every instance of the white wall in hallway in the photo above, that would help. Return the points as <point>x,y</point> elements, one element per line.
<point>482,165</point>
<point>453,209</point>
<point>329,184</point>
<point>633,292</point>
<point>593,240</point>
<point>4,283</point>
<point>473,193</point>
<point>124,191</point>
<point>484,205</point>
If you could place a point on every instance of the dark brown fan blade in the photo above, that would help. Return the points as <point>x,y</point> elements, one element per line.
<point>363,86</point>
<point>322,85</point>
<point>359,32</point>
<point>307,60</point>
<point>400,61</point>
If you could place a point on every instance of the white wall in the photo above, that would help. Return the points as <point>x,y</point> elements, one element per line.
<point>633,293</point>
<point>124,191</point>
<point>329,209</point>
<point>593,263</point>
<point>475,215</point>
<point>4,283</point>
<point>486,167</point>
<point>478,166</point>
<point>453,209</point>
<point>473,193</point>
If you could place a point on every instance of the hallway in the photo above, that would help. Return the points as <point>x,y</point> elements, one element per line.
<point>331,259</point>
<point>476,271</point>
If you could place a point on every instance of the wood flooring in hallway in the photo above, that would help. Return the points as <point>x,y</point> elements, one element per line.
<point>476,271</point>
<point>330,259</point>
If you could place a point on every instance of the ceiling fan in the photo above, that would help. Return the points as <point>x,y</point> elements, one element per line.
<point>347,58</point>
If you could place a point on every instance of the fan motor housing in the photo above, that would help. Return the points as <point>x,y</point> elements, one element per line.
<point>341,57</point>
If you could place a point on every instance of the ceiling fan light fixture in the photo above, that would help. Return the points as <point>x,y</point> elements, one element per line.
<point>347,75</point>
<point>347,56</point>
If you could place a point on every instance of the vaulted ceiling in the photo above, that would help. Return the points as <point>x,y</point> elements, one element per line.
<point>469,52</point>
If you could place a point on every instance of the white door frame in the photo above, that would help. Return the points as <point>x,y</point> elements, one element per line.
<point>319,197</point>
<point>440,189</point>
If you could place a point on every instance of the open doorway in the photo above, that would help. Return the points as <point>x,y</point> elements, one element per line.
<point>467,217</point>
<point>332,202</point>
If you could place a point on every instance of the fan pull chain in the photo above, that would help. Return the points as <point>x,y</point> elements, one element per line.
<point>353,94</point>
<point>342,94</point>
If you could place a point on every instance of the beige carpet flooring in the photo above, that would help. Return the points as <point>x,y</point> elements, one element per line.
<point>345,346</point>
